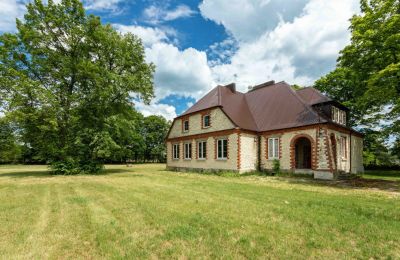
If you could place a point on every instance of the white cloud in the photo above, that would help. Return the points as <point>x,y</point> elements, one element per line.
<point>158,14</point>
<point>9,11</point>
<point>148,35</point>
<point>103,5</point>
<point>164,110</point>
<point>297,51</point>
<point>246,20</point>
<point>182,72</point>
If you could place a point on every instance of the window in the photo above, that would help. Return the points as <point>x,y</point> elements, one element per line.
<point>206,121</point>
<point>338,116</point>
<point>222,149</point>
<point>176,151</point>
<point>273,148</point>
<point>188,151</point>
<point>202,150</point>
<point>186,125</point>
<point>343,147</point>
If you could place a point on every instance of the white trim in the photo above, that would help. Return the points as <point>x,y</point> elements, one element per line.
<point>273,150</point>
<point>222,157</point>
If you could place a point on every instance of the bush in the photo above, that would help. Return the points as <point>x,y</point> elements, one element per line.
<point>276,166</point>
<point>72,167</point>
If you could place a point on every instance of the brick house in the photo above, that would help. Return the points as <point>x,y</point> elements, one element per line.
<point>229,130</point>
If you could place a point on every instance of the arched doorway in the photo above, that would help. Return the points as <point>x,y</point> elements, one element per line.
<point>303,154</point>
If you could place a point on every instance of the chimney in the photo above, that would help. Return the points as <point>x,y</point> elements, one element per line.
<point>232,87</point>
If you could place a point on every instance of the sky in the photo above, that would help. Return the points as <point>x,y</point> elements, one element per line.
<point>197,45</point>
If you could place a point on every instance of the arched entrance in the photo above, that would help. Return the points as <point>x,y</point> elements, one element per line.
<point>303,154</point>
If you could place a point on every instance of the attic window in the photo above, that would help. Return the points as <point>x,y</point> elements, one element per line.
<point>186,126</point>
<point>206,121</point>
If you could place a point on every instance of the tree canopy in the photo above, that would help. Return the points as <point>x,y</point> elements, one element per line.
<point>67,81</point>
<point>367,75</point>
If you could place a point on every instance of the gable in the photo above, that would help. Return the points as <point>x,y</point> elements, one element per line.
<point>219,121</point>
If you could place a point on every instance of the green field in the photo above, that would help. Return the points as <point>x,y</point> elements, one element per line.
<point>146,212</point>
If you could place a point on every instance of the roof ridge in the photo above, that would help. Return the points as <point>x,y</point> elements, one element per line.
<point>251,112</point>
<point>308,107</point>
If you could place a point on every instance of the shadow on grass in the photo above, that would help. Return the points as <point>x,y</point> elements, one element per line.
<point>48,174</point>
<point>37,174</point>
<point>379,174</point>
<point>357,183</point>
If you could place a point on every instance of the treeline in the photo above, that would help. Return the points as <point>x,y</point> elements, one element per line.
<point>142,139</point>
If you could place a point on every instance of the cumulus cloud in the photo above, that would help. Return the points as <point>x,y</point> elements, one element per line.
<point>148,35</point>
<point>164,110</point>
<point>183,72</point>
<point>158,14</point>
<point>247,20</point>
<point>298,50</point>
<point>103,5</point>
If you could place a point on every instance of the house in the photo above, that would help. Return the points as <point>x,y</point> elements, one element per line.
<point>229,130</point>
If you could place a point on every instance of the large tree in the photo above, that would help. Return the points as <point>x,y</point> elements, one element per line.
<point>367,76</point>
<point>65,78</point>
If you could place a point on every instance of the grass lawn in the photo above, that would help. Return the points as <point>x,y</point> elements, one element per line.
<point>146,212</point>
<point>383,175</point>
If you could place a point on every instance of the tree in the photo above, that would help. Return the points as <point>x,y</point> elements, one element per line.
<point>367,75</point>
<point>65,78</point>
<point>155,129</point>
<point>10,151</point>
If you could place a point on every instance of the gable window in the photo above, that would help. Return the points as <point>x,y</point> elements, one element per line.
<point>343,147</point>
<point>175,151</point>
<point>206,121</point>
<point>188,151</point>
<point>202,150</point>
<point>186,125</point>
<point>273,148</point>
<point>222,149</point>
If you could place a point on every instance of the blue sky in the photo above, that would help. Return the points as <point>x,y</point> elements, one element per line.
<point>197,45</point>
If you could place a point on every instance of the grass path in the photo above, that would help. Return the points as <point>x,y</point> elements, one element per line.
<point>146,212</point>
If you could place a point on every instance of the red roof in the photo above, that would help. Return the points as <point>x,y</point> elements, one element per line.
<point>268,106</point>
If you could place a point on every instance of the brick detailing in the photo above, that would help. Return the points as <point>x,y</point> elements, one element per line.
<point>196,149</point>
<point>203,114</point>
<point>266,147</point>
<point>329,149</point>
<point>238,151</point>
<point>293,151</point>
<point>206,135</point>
<point>332,126</point>
<point>280,148</point>
<point>215,148</point>
<point>322,159</point>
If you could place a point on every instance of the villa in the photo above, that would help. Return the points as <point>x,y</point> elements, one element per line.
<point>304,130</point>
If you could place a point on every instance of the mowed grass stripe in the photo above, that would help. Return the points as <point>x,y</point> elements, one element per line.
<point>146,212</point>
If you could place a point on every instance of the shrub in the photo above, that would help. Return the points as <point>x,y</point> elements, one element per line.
<point>72,167</point>
<point>276,166</point>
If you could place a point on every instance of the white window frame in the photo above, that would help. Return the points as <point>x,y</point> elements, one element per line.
<point>273,148</point>
<point>202,150</point>
<point>223,151</point>
<point>187,154</point>
<point>343,147</point>
<point>184,124</point>
<point>175,151</point>
<point>204,121</point>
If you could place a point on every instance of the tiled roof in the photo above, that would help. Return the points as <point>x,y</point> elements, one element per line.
<point>268,106</point>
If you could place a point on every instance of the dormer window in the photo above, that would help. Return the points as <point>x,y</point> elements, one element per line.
<point>338,116</point>
<point>206,121</point>
<point>186,126</point>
